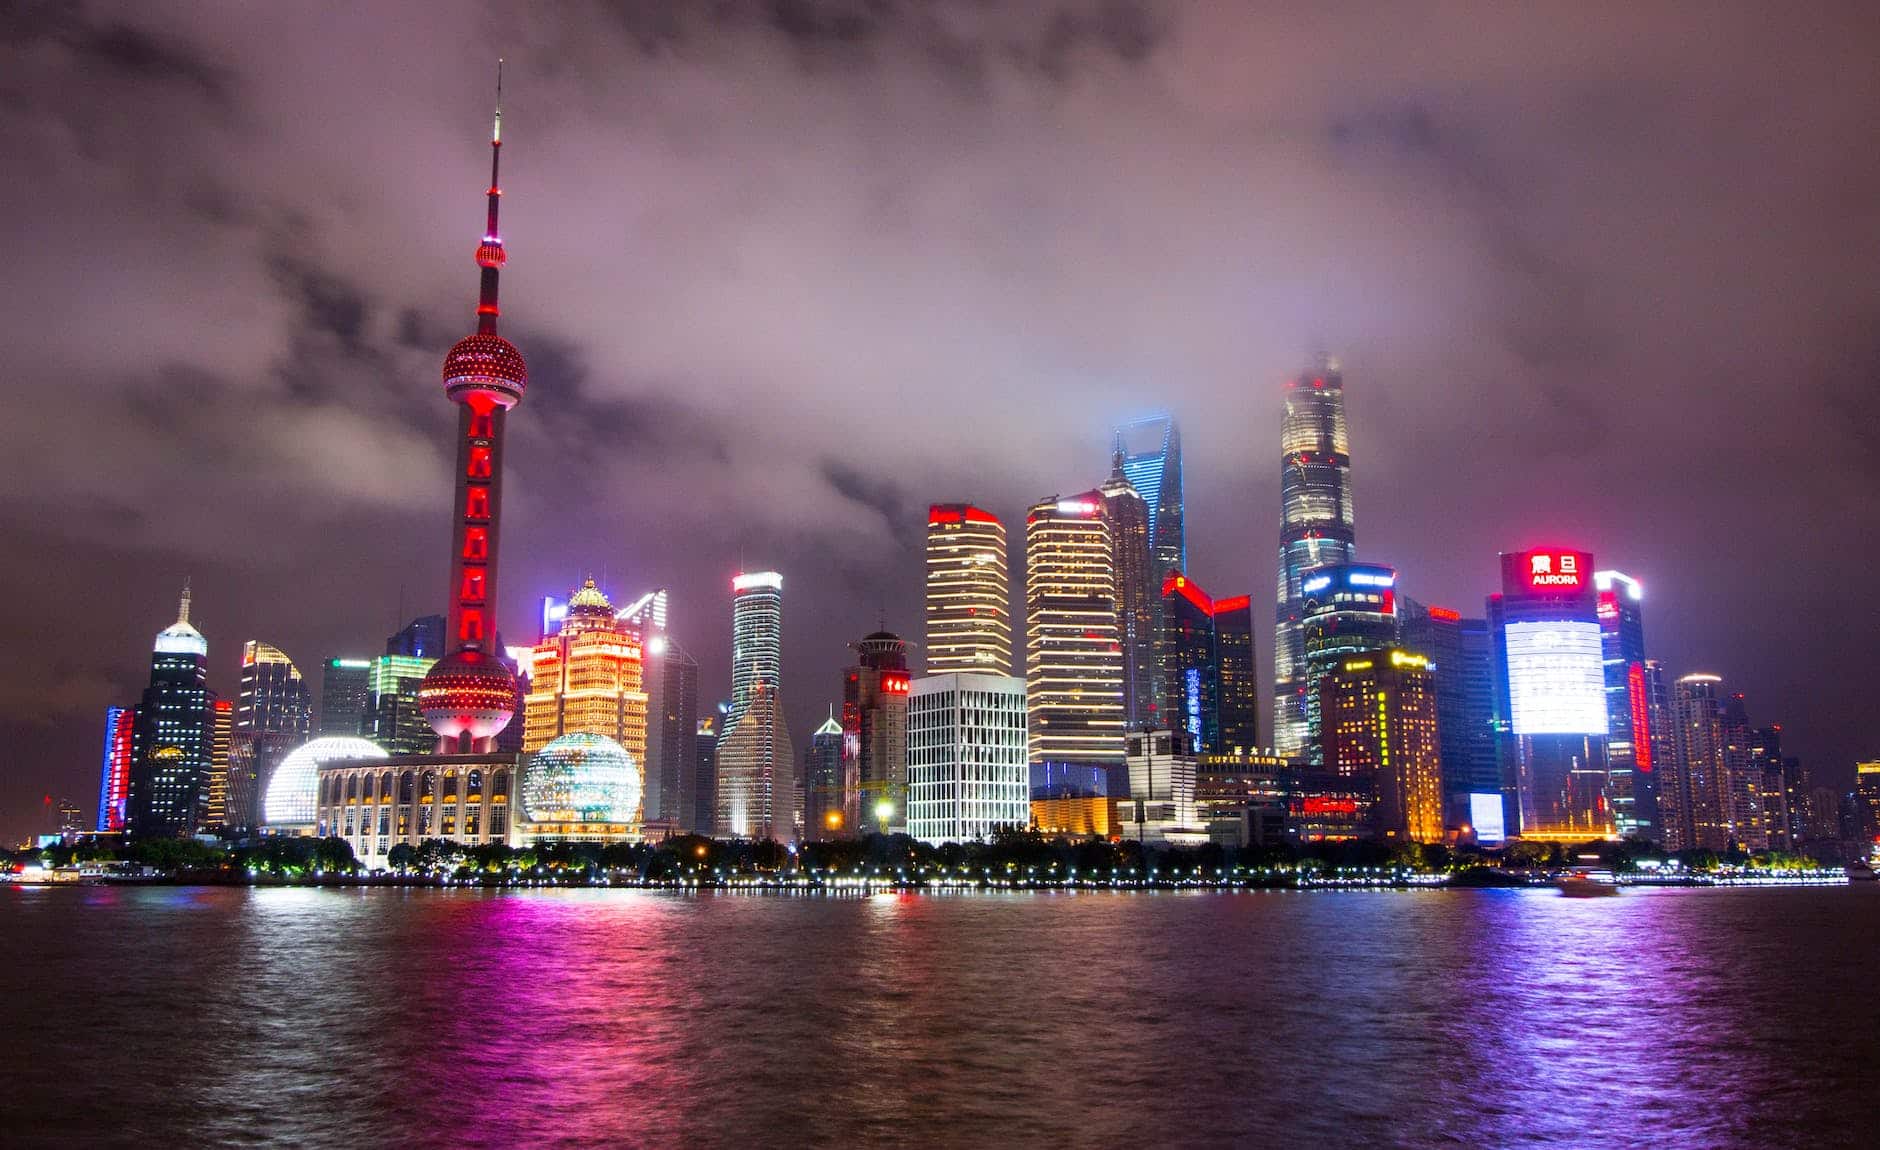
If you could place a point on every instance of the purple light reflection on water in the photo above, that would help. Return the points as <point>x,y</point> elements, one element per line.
<point>583,1017</point>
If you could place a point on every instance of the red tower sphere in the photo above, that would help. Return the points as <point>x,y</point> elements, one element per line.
<point>469,693</point>
<point>486,364</point>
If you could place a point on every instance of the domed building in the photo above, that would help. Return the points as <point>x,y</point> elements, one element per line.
<point>588,677</point>
<point>291,804</point>
<point>581,787</point>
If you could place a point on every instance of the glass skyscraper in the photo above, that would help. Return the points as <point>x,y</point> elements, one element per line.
<point>1631,765</point>
<point>1073,662</point>
<point>273,715</point>
<point>756,638</point>
<point>1146,457</point>
<point>1149,454</point>
<point>1344,610</point>
<point>1315,531</point>
<point>172,749</point>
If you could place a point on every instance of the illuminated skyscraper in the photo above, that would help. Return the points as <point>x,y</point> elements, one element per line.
<point>1460,655</point>
<point>1191,673</point>
<point>1149,455</point>
<point>874,735</point>
<point>1316,531</point>
<point>588,678</point>
<point>966,766</point>
<point>1631,765</point>
<point>672,703</point>
<point>1239,689</point>
<point>823,791</point>
<point>345,693</point>
<point>704,811</point>
<point>273,715</point>
<point>1073,662</point>
<point>114,786</point>
<point>217,814</point>
<point>969,616</point>
<point>173,738</point>
<point>1137,601</point>
<point>1695,795</point>
<point>757,792</point>
<point>1551,699</point>
<point>756,638</point>
<point>422,638</point>
<point>1345,609</point>
<point>395,720</point>
<point>1378,713</point>
<point>469,695</point>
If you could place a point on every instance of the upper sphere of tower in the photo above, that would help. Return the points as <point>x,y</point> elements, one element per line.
<point>490,254</point>
<point>486,364</point>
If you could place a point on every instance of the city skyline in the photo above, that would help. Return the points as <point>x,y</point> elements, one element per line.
<point>262,527</point>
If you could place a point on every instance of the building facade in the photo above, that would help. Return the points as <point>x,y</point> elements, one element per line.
<point>1345,609</point>
<point>1073,659</point>
<point>1137,623</point>
<point>1631,765</point>
<point>874,735</point>
<point>756,638</point>
<point>1697,801</point>
<point>1460,655</point>
<point>588,678</point>
<point>1316,530</point>
<point>1379,716</point>
<point>172,739</point>
<point>273,714</point>
<point>1161,798</point>
<point>1551,696</point>
<point>969,614</point>
<point>345,695</point>
<point>377,804</point>
<point>757,789</point>
<point>114,783</point>
<point>825,811</point>
<point>395,719</point>
<point>672,702</point>
<point>967,772</point>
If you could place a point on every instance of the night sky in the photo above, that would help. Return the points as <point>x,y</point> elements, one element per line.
<point>784,273</point>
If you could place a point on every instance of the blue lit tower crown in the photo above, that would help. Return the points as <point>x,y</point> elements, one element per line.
<point>470,695</point>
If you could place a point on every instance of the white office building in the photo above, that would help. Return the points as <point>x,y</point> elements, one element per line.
<point>967,770</point>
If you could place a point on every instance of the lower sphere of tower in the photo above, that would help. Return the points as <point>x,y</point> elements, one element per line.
<point>468,692</point>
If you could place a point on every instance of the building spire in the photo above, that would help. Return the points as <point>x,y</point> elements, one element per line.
<point>182,610</point>
<point>490,254</point>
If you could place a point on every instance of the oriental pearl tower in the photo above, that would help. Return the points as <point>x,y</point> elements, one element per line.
<point>470,695</point>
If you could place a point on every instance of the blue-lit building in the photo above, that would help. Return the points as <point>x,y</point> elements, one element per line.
<point>1150,457</point>
<point>1344,609</point>
<point>1462,656</point>
<point>1315,531</point>
<point>114,776</point>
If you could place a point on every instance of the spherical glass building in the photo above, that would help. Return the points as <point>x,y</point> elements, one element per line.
<point>581,778</point>
<point>293,792</point>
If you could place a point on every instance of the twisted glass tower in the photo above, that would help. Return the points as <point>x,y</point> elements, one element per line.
<point>1315,530</point>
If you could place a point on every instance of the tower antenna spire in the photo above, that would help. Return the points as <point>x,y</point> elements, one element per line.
<point>490,254</point>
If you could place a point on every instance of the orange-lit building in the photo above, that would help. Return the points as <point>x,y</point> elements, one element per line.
<point>1377,716</point>
<point>588,678</point>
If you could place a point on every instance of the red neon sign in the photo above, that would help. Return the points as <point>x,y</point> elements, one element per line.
<point>1555,570</point>
<point>1445,615</point>
<point>1641,717</point>
<point>1323,806</point>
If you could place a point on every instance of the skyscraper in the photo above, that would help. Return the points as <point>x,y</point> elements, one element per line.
<point>114,785</point>
<point>1630,763</point>
<point>1695,797</point>
<point>672,730</point>
<point>422,638</point>
<point>1238,687</point>
<point>824,816</point>
<point>1344,609</point>
<point>1378,714</point>
<point>756,638</point>
<point>1073,662</point>
<point>395,720</point>
<point>589,678</point>
<point>273,715</point>
<point>345,690</point>
<point>874,730</point>
<point>1149,455</point>
<point>469,695</point>
<point>1191,674</point>
<point>1316,530</point>
<point>1553,702</point>
<point>219,813</point>
<point>172,742</point>
<point>1460,655</point>
<point>704,810</point>
<point>969,616</point>
<point>966,757</point>
<point>757,792</point>
<point>1137,602</point>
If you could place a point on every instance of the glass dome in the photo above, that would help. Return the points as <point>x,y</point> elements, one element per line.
<point>581,778</point>
<point>294,789</point>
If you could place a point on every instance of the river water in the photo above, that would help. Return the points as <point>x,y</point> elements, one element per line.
<point>162,1016</point>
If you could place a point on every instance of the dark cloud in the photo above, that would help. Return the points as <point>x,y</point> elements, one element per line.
<point>786,272</point>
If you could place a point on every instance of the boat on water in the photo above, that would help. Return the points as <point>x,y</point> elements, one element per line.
<point>1859,872</point>
<point>1586,882</point>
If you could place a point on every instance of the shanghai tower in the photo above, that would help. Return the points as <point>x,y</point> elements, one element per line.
<point>469,695</point>
<point>1315,529</point>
